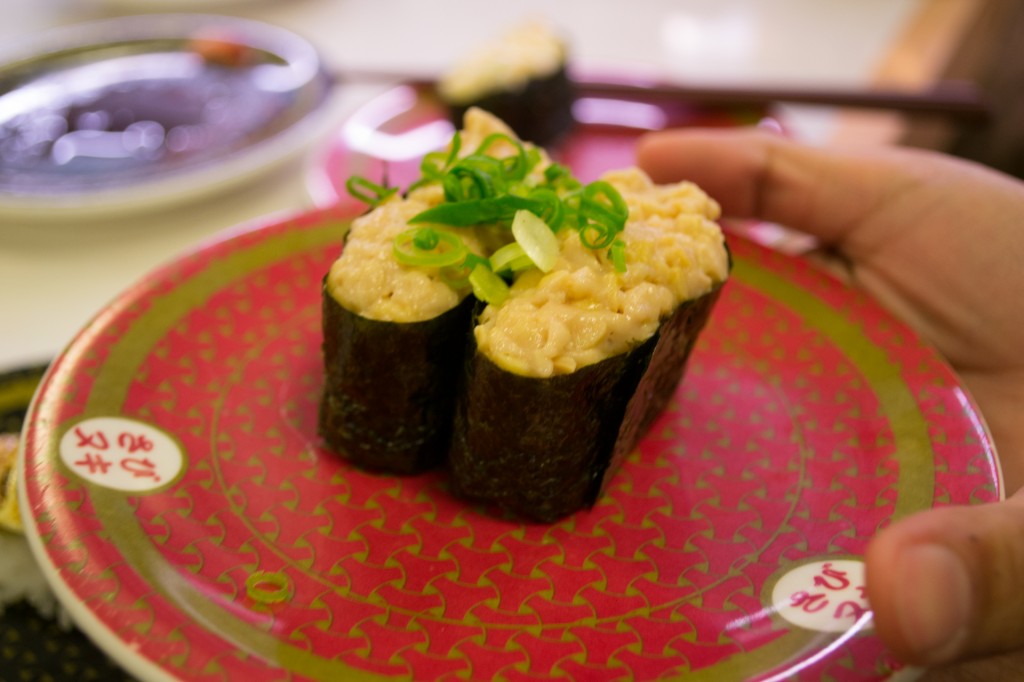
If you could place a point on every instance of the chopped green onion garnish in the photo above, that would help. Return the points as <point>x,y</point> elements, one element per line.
<point>457,276</point>
<point>537,239</point>
<point>617,252</point>
<point>507,192</point>
<point>601,214</point>
<point>510,257</point>
<point>487,286</point>
<point>367,191</point>
<point>516,166</point>
<point>475,211</point>
<point>596,235</point>
<point>453,152</point>
<point>435,164</point>
<point>425,239</point>
<point>268,588</point>
<point>551,209</point>
<point>560,177</point>
<point>598,190</point>
<point>474,177</point>
<point>429,248</point>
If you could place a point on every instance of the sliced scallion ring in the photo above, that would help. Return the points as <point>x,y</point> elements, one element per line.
<point>457,276</point>
<point>617,253</point>
<point>510,257</point>
<point>536,238</point>
<point>596,235</point>
<point>474,177</point>
<point>522,191</point>
<point>268,587</point>
<point>487,286</point>
<point>447,248</point>
<point>367,191</point>
<point>552,211</point>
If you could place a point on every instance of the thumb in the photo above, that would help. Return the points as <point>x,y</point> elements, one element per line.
<point>945,584</point>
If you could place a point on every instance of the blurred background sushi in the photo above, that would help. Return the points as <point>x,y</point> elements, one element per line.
<point>520,77</point>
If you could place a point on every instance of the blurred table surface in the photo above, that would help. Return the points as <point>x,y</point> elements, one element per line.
<point>56,275</point>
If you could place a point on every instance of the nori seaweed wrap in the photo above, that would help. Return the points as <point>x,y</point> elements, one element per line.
<point>566,374</point>
<point>390,387</point>
<point>394,329</point>
<point>393,342</point>
<point>521,79</point>
<point>555,453</point>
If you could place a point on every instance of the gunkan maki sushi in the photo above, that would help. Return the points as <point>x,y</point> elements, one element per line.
<point>396,306</point>
<point>521,78</point>
<point>561,316</point>
<point>566,374</point>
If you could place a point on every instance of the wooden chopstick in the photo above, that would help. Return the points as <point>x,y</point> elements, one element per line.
<point>954,99</point>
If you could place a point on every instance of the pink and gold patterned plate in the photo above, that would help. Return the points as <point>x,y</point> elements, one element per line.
<point>181,504</point>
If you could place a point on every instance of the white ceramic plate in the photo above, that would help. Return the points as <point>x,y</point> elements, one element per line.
<point>139,111</point>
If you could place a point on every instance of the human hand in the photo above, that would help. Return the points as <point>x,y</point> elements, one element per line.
<point>940,242</point>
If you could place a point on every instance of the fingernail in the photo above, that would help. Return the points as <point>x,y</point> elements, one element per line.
<point>936,601</point>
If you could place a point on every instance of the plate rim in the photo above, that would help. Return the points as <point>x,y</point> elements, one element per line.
<point>87,619</point>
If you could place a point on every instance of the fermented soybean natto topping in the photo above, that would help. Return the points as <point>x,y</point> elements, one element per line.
<point>572,273</point>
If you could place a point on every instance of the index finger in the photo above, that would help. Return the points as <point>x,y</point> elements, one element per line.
<point>757,174</point>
